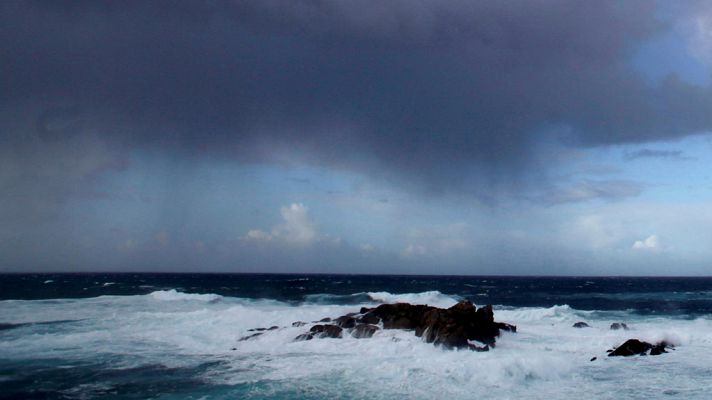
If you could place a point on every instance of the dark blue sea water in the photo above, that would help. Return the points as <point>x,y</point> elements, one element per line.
<point>170,336</point>
<point>673,295</point>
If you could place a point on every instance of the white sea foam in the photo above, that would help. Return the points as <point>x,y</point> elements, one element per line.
<point>433,298</point>
<point>546,359</point>
<point>174,295</point>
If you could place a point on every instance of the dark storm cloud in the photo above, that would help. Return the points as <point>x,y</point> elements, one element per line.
<point>451,94</point>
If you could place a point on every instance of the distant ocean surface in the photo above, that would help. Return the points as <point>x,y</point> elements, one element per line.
<point>176,336</point>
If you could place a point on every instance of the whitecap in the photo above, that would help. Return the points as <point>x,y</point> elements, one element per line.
<point>174,295</point>
<point>546,359</point>
<point>433,298</point>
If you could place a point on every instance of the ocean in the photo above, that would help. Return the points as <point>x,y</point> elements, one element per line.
<point>176,336</point>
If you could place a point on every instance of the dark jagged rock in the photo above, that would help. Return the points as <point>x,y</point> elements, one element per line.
<point>324,331</point>
<point>581,324</point>
<point>400,315</point>
<point>327,319</point>
<point>368,318</point>
<point>298,323</point>
<point>346,321</point>
<point>594,359</point>
<point>454,327</point>
<point>619,325</point>
<point>364,331</point>
<point>660,348</point>
<point>633,347</point>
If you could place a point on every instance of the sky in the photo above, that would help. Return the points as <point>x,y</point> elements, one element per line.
<point>402,137</point>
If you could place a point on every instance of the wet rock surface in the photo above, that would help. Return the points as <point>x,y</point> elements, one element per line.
<point>632,347</point>
<point>321,331</point>
<point>454,327</point>
<point>618,326</point>
<point>248,337</point>
<point>271,328</point>
<point>581,324</point>
<point>364,331</point>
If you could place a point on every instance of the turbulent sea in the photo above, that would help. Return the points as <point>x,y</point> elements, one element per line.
<point>175,336</point>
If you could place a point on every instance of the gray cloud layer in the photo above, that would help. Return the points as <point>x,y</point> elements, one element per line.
<point>447,94</point>
<point>652,153</point>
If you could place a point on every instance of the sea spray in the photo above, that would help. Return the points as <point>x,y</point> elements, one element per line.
<point>186,345</point>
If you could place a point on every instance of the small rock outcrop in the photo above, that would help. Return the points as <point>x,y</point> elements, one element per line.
<point>455,327</point>
<point>581,324</point>
<point>248,337</point>
<point>632,347</point>
<point>271,328</point>
<point>321,331</point>
<point>618,326</point>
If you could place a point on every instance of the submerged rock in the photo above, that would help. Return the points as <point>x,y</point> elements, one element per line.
<point>632,347</point>
<point>581,324</point>
<point>271,328</point>
<point>248,337</point>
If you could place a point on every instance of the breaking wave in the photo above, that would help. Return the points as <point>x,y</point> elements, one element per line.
<point>174,295</point>
<point>169,330</point>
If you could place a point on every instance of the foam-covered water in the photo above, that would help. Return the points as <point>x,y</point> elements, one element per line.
<point>169,343</point>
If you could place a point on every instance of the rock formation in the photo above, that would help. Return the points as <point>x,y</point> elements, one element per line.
<point>633,347</point>
<point>455,327</point>
<point>619,325</point>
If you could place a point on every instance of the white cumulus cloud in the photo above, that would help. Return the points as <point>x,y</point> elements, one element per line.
<point>651,243</point>
<point>256,234</point>
<point>414,250</point>
<point>701,35</point>
<point>296,228</point>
